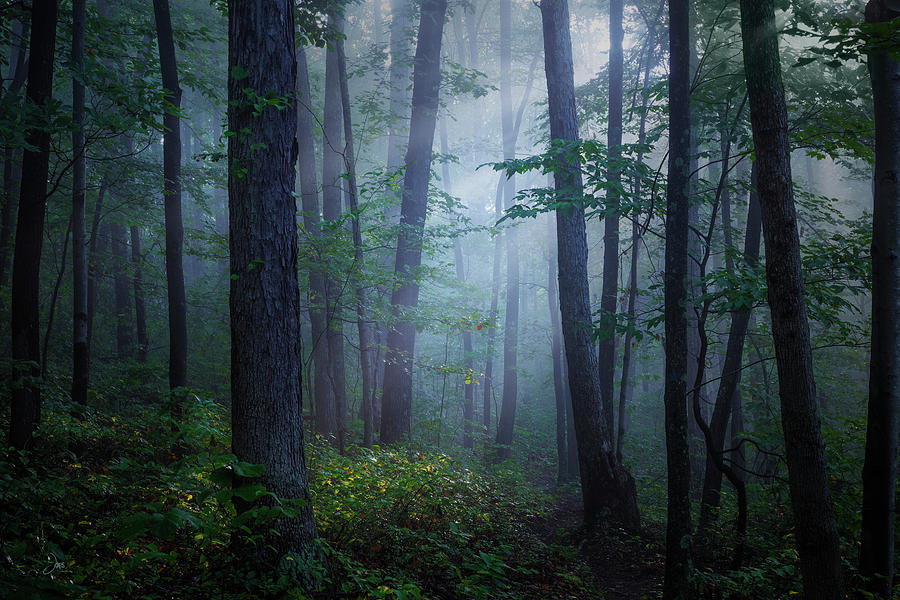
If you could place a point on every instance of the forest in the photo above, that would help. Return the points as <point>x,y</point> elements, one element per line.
<point>449,299</point>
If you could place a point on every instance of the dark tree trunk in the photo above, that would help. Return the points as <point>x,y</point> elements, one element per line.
<point>12,166</point>
<point>817,537</point>
<point>606,354</point>
<point>80,361</point>
<point>397,400</point>
<point>511,327</point>
<point>140,308</point>
<point>364,324</point>
<point>607,489</point>
<point>326,419</point>
<point>876,553</point>
<point>731,371</point>
<point>678,528</point>
<point>265,300</point>
<point>121,285</point>
<point>559,387</point>
<point>401,47</point>
<point>332,184</point>
<point>172,204</point>
<point>25,322</point>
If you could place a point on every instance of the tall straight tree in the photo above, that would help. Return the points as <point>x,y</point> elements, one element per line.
<point>80,363</point>
<point>326,420</point>
<point>401,48</point>
<point>559,388</point>
<point>177,302</point>
<point>607,490</point>
<point>397,400</point>
<point>140,308</point>
<point>332,191</point>
<point>25,326</point>
<point>876,552</point>
<point>265,297</point>
<point>511,326</point>
<point>607,350</point>
<point>817,537</point>
<point>678,526</point>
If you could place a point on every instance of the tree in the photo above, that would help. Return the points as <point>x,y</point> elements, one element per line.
<point>817,538</point>
<point>678,517</point>
<point>80,360</point>
<point>607,489</point>
<point>559,388</point>
<point>265,296</point>
<point>25,327</point>
<point>177,302</point>
<point>397,401</point>
<point>140,308</point>
<point>876,552</point>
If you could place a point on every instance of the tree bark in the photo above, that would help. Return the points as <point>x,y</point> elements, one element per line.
<point>332,191</point>
<point>817,537</point>
<point>678,529</point>
<point>397,399</point>
<point>177,303</point>
<point>876,553</point>
<point>25,317</point>
<point>265,300</point>
<point>80,361</point>
<point>607,489</point>
<point>326,418</point>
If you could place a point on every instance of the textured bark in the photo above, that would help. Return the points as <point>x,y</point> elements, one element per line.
<point>678,528</point>
<point>332,192</point>
<point>265,300</point>
<point>606,353</point>
<point>177,303</point>
<point>363,322</point>
<point>731,372</point>
<point>511,326</point>
<point>80,362</point>
<point>140,307</point>
<point>326,419</point>
<point>876,553</point>
<point>25,412</point>
<point>607,489</point>
<point>397,401</point>
<point>559,388</point>
<point>817,537</point>
<point>121,286</point>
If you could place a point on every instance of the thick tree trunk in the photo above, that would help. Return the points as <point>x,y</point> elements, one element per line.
<point>177,303</point>
<point>606,354</point>
<point>332,192</point>
<point>731,371</point>
<point>326,419</point>
<point>397,400</point>
<point>265,300</point>
<point>511,326</point>
<point>876,553</point>
<point>678,528</point>
<point>80,361</point>
<point>140,307</point>
<point>607,489</point>
<point>25,322</point>
<point>817,537</point>
<point>364,324</point>
<point>121,286</point>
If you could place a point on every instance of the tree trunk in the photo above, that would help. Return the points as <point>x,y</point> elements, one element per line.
<point>95,264</point>
<point>495,302</point>
<point>54,296</point>
<point>12,165</point>
<point>332,184</point>
<point>364,324</point>
<point>556,353</point>
<point>25,322</point>
<point>606,354</point>
<point>731,370</point>
<point>607,489</point>
<point>80,362</point>
<point>121,285</point>
<point>511,327</point>
<point>678,529</point>
<point>177,302</point>
<point>140,308</point>
<point>397,400</point>
<point>401,47</point>
<point>265,301</point>
<point>326,418</point>
<point>817,537</point>
<point>876,553</point>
